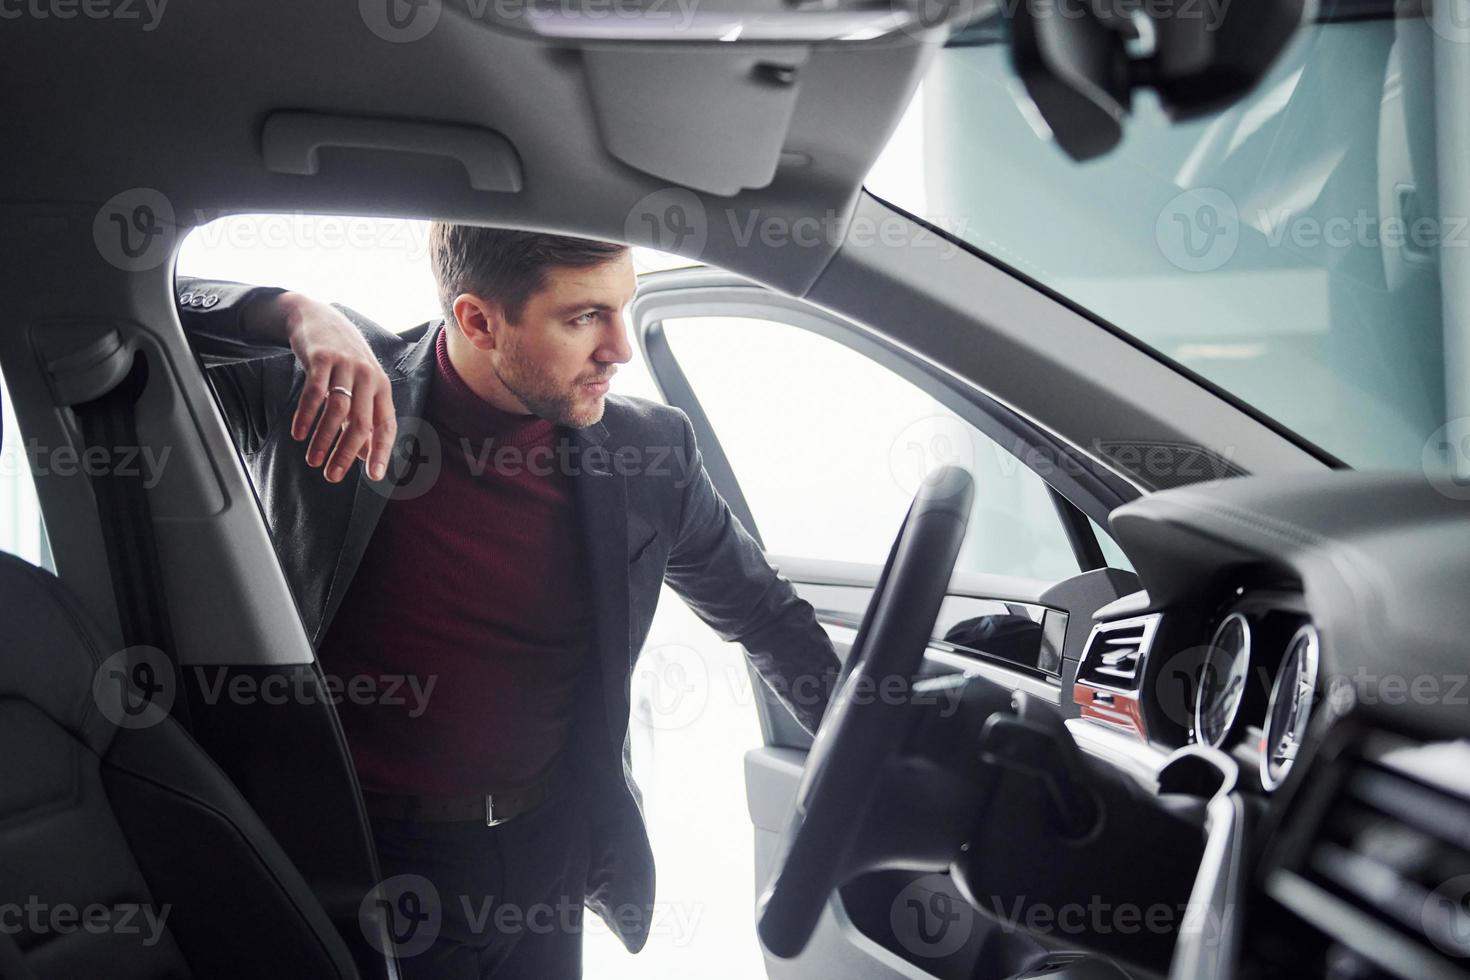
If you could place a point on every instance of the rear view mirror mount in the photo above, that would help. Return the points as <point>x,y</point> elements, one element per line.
<point>1080,60</point>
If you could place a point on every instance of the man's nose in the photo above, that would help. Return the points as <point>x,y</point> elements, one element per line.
<point>615,348</point>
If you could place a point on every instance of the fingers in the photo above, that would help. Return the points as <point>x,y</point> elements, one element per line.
<point>356,426</point>
<point>341,428</point>
<point>318,380</point>
<point>385,432</point>
<point>334,416</point>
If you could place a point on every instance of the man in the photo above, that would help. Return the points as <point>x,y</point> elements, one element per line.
<point>466,504</point>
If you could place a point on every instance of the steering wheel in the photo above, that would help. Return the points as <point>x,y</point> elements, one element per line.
<point>864,725</point>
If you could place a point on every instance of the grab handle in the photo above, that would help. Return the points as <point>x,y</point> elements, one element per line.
<point>291,141</point>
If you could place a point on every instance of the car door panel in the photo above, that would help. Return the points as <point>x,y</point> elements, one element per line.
<point>858,935</point>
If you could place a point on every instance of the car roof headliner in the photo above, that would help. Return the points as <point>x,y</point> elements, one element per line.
<point>92,108</point>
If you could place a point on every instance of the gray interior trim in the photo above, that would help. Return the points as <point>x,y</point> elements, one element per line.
<point>746,97</point>
<point>963,663</point>
<point>194,82</point>
<point>1209,940</point>
<point>208,525</point>
<point>838,947</point>
<point>1126,752</point>
<point>291,143</point>
<point>976,585</point>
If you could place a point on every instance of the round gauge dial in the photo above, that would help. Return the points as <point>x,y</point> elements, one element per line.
<point>1222,681</point>
<point>1291,707</point>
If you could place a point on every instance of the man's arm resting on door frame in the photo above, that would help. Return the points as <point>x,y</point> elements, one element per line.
<point>212,313</point>
<point>233,324</point>
<point>718,569</point>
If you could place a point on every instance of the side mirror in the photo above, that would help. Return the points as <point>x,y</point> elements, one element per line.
<point>1009,637</point>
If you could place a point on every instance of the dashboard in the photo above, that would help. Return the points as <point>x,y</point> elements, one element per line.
<point>1313,636</point>
<point>1242,677</point>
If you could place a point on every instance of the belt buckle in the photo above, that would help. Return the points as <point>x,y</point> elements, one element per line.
<point>490,819</point>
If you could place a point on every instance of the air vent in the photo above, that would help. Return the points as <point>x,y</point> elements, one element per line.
<point>1388,873</point>
<point>1116,651</point>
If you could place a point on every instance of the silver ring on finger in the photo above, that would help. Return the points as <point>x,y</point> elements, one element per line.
<point>340,390</point>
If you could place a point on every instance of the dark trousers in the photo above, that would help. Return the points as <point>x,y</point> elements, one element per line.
<point>471,902</point>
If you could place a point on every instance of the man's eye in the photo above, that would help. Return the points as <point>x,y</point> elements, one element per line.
<point>584,319</point>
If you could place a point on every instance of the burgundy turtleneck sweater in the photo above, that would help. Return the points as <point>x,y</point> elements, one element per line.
<point>478,586</point>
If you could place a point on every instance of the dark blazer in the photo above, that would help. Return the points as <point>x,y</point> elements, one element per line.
<point>650,513</point>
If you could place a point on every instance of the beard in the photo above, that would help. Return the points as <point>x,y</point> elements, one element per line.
<point>558,402</point>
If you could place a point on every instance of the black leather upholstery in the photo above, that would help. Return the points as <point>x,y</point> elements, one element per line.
<point>99,822</point>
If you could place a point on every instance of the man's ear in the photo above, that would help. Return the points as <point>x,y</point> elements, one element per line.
<point>480,321</point>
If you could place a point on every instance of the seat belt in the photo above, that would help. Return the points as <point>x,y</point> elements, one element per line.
<point>110,422</point>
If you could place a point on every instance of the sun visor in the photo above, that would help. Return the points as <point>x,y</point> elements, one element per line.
<point>712,121</point>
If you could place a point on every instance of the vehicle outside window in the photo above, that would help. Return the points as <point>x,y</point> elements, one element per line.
<point>1296,250</point>
<point>22,531</point>
<point>830,447</point>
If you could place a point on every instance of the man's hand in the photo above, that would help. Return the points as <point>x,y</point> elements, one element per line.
<point>335,357</point>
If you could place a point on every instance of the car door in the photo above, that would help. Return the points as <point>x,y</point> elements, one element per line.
<point>817,433</point>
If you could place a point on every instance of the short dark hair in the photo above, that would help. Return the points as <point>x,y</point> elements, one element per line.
<point>505,266</point>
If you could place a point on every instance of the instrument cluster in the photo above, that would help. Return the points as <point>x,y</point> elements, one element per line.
<point>1257,681</point>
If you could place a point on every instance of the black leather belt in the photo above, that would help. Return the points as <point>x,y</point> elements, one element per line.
<point>489,808</point>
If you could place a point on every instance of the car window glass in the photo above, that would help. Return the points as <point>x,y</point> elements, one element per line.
<point>1112,554</point>
<point>1289,248</point>
<point>21,530</point>
<point>830,447</point>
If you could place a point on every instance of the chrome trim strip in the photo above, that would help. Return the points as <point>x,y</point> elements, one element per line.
<point>1199,689</point>
<point>1138,759</point>
<point>1016,680</point>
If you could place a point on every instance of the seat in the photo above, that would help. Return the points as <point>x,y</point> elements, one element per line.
<point>124,851</point>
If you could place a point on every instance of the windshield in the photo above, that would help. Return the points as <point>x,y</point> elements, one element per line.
<point>1289,250</point>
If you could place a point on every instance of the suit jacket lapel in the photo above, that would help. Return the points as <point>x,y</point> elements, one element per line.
<point>410,378</point>
<point>602,497</point>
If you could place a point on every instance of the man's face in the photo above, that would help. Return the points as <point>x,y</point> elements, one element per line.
<point>558,358</point>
